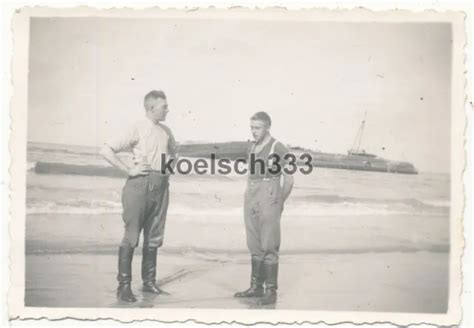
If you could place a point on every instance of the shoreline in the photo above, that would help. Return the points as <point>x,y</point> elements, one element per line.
<point>80,233</point>
<point>111,249</point>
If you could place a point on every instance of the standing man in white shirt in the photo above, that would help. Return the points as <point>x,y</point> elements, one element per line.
<point>145,195</point>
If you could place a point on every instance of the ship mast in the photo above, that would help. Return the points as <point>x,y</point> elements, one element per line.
<point>358,139</point>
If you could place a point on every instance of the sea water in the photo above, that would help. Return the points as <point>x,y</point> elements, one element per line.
<point>324,192</point>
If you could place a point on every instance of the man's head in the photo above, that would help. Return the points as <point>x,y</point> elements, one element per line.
<point>260,125</point>
<point>156,105</point>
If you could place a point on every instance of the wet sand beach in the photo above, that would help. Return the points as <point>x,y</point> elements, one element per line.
<point>406,282</point>
<point>344,263</point>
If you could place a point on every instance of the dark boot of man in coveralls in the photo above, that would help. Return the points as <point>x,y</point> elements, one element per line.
<point>145,195</point>
<point>263,205</point>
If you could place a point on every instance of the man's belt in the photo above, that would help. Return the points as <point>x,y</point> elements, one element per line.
<point>265,178</point>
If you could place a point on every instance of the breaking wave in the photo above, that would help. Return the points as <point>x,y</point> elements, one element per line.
<point>292,208</point>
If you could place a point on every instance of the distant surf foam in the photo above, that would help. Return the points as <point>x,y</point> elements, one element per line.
<point>297,209</point>
<point>405,202</point>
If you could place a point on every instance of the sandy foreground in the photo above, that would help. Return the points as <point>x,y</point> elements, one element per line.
<point>402,282</point>
<point>390,263</point>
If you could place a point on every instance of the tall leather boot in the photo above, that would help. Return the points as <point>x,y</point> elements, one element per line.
<point>124,276</point>
<point>256,281</point>
<point>149,271</point>
<point>271,283</point>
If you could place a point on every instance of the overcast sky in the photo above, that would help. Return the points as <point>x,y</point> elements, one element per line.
<point>88,77</point>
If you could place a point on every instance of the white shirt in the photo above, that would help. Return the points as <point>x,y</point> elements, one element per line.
<point>147,141</point>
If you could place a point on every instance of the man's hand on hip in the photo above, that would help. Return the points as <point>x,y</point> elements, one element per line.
<point>140,169</point>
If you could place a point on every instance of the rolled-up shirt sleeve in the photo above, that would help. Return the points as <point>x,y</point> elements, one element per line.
<point>124,142</point>
<point>173,146</point>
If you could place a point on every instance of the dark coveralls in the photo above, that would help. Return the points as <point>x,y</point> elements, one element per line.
<point>263,206</point>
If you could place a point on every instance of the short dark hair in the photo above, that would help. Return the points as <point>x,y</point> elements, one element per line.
<point>155,94</point>
<point>262,116</point>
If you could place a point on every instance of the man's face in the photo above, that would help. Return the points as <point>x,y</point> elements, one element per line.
<point>158,108</point>
<point>259,129</point>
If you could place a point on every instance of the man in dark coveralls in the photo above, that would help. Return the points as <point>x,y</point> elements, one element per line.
<point>264,198</point>
<point>145,194</point>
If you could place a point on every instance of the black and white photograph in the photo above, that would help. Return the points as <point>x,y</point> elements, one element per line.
<point>248,161</point>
